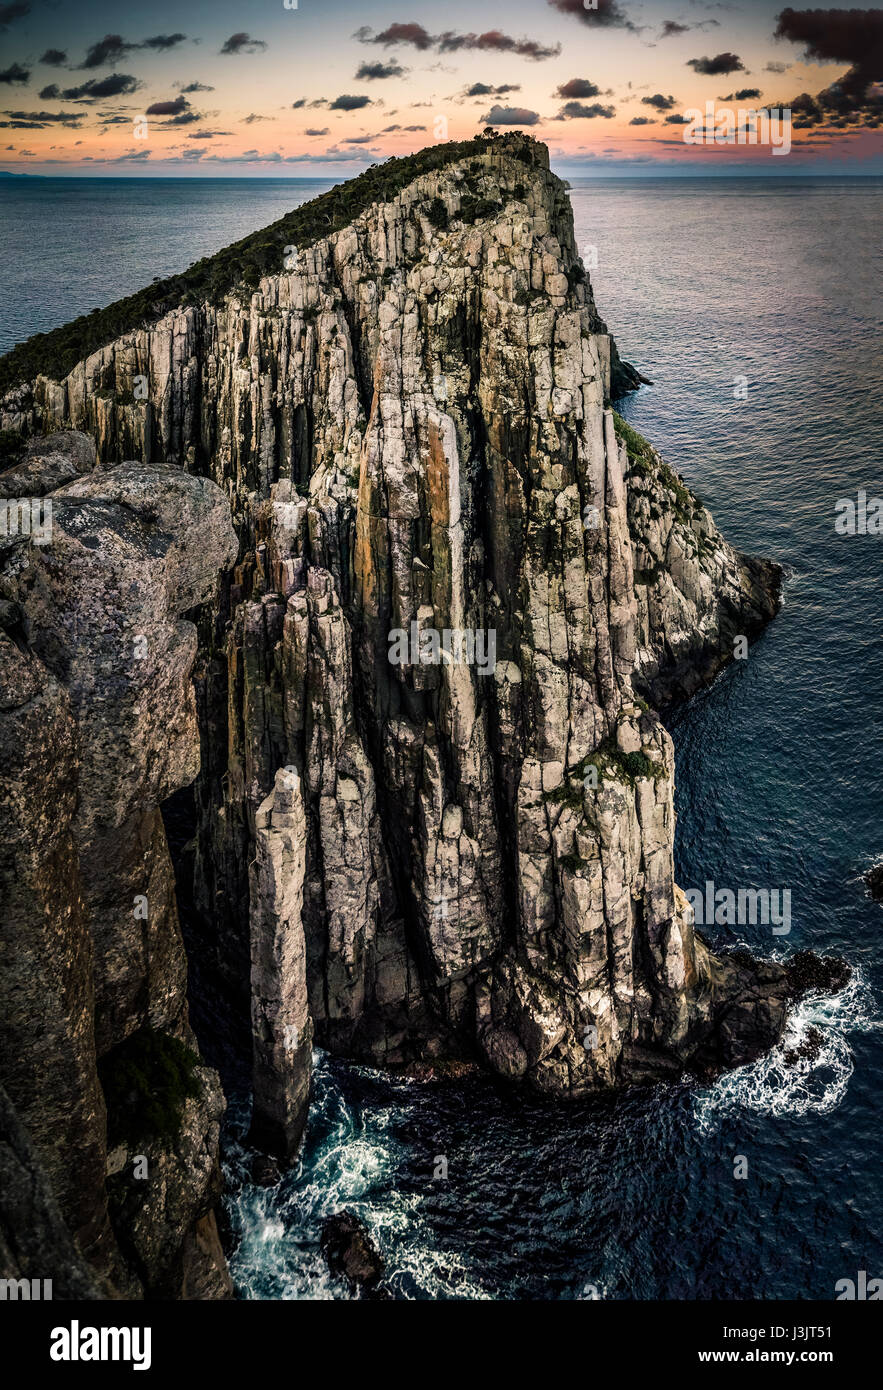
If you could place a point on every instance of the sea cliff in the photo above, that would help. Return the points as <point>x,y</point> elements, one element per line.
<point>401,427</point>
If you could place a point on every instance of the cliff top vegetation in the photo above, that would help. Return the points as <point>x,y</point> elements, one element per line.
<point>57,352</point>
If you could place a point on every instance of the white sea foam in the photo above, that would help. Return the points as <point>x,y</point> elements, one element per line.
<point>278,1253</point>
<point>806,1085</point>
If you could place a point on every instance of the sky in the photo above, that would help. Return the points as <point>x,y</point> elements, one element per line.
<point>323,88</point>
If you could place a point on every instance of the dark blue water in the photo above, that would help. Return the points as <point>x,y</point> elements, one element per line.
<point>780,765</point>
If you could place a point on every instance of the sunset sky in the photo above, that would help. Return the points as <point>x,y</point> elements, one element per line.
<point>322,90</point>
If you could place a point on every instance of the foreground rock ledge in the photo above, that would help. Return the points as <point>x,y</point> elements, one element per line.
<point>97,727</point>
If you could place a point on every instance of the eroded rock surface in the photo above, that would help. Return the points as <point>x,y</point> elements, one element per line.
<point>98,727</point>
<point>420,860</point>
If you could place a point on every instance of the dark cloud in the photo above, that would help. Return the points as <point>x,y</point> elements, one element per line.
<point>777,67</point>
<point>670,27</point>
<point>510,115</point>
<point>349,103</point>
<point>116,85</point>
<point>718,66</point>
<point>17,10</point>
<point>374,72</point>
<point>577,87</point>
<point>54,57</point>
<point>676,120</point>
<point>359,139</point>
<point>296,105</point>
<point>575,110</point>
<point>243,43</point>
<point>253,118</point>
<point>642,120</point>
<point>161,42</point>
<point>185,118</point>
<point>208,134</point>
<point>839,36</point>
<point>15,73</point>
<point>484,89</point>
<point>168,108</point>
<point>659,102</point>
<point>496,42</point>
<point>492,41</point>
<point>743,94</point>
<point>111,49</point>
<point>324,131</point>
<point>413,34</point>
<point>608,14</point>
<point>196,87</point>
<point>44,118</point>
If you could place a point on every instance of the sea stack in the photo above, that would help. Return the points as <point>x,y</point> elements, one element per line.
<point>409,422</point>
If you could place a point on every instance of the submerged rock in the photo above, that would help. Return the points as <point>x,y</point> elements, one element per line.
<point>807,1050</point>
<point>265,1171</point>
<point>874,880</point>
<point>808,973</point>
<point>351,1254</point>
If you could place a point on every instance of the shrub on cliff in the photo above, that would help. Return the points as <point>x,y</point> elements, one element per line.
<point>146,1081</point>
<point>56,353</point>
<point>438,213</point>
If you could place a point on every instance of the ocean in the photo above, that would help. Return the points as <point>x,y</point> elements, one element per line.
<point>754,307</point>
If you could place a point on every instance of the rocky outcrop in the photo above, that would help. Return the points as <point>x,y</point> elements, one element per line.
<point>696,596</point>
<point>98,728</point>
<point>435,814</point>
<point>351,1255</point>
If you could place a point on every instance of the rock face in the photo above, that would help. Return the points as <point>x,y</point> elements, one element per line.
<point>413,846</point>
<point>98,728</point>
<point>281,1026</point>
<point>35,1242</point>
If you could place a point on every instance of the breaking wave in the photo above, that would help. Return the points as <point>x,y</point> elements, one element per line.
<point>350,1161</point>
<point>808,1072</point>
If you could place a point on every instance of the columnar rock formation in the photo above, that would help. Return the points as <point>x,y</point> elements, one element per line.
<point>405,856</point>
